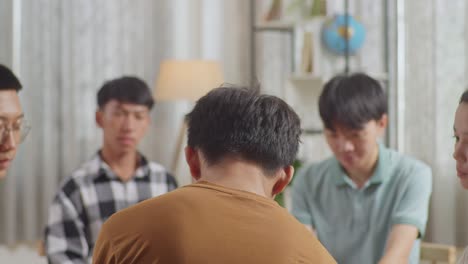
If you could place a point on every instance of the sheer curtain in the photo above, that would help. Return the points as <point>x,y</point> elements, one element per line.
<point>436,70</point>
<point>64,50</point>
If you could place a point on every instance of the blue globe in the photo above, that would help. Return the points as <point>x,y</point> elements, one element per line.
<point>335,34</point>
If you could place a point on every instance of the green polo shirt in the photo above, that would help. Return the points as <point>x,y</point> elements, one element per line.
<point>354,224</point>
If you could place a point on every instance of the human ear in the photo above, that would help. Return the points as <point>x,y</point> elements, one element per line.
<point>283,180</point>
<point>193,160</point>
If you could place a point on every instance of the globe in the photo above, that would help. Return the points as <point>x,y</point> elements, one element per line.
<point>335,34</point>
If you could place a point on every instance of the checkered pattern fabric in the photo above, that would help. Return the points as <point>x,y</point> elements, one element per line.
<point>88,197</point>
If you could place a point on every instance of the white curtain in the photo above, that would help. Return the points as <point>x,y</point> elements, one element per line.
<point>436,70</point>
<point>64,50</point>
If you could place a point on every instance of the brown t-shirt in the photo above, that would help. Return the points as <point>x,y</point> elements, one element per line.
<point>206,223</point>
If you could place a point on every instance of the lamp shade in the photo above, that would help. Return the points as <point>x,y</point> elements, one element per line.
<point>187,79</point>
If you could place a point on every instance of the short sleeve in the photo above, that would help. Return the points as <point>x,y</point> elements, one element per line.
<point>413,207</point>
<point>300,195</point>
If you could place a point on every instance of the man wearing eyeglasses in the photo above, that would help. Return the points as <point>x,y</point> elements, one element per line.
<point>12,125</point>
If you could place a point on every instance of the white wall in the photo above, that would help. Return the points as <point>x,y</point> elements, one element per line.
<point>435,78</point>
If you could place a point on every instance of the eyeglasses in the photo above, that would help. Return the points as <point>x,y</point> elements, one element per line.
<point>19,130</point>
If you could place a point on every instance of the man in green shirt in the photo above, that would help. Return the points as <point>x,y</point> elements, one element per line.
<point>367,203</point>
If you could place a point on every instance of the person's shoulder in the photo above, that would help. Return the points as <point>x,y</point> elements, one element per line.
<point>156,167</point>
<point>159,172</point>
<point>143,213</point>
<point>80,176</point>
<point>409,167</point>
<point>301,240</point>
<point>158,205</point>
<point>316,171</point>
<point>408,162</point>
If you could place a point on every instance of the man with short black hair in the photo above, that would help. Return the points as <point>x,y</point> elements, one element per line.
<point>368,203</point>
<point>13,126</point>
<point>117,177</point>
<point>241,146</point>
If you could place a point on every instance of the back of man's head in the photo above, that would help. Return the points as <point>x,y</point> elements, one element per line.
<point>352,101</point>
<point>8,80</point>
<point>126,89</point>
<point>240,123</point>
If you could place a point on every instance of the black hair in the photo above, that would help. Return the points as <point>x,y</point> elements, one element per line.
<point>464,97</point>
<point>239,122</point>
<point>127,89</point>
<point>8,80</point>
<point>352,101</point>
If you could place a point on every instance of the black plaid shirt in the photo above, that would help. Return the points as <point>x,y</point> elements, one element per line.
<point>88,197</point>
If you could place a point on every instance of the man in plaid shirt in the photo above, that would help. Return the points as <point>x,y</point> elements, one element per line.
<point>117,177</point>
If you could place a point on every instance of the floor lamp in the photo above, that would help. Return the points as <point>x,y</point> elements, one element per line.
<point>185,80</point>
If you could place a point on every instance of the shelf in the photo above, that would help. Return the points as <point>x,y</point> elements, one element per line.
<point>300,77</point>
<point>379,76</point>
<point>308,81</point>
<point>312,131</point>
<point>275,26</point>
<point>301,93</point>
